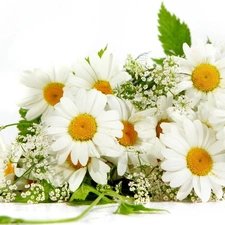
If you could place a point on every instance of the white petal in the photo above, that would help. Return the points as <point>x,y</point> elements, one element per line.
<point>93,150</point>
<point>95,103</point>
<point>217,189</point>
<point>61,143</point>
<point>174,164</point>
<point>196,185</point>
<point>217,147</point>
<point>98,171</point>
<point>167,176</point>
<point>180,177</point>
<point>170,154</point>
<point>57,121</point>
<point>77,178</point>
<point>175,143</point>
<point>37,110</point>
<point>205,188</point>
<point>66,108</point>
<point>103,140</point>
<point>185,189</point>
<point>63,155</point>
<point>191,132</point>
<point>122,164</point>
<point>83,156</point>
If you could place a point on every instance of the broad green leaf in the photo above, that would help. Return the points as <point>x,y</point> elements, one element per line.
<point>127,208</point>
<point>173,33</point>
<point>82,196</point>
<point>82,192</point>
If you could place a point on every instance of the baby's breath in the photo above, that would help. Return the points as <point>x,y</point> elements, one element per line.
<point>139,185</point>
<point>160,191</point>
<point>35,153</point>
<point>7,191</point>
<point>35,193</point>
<point>60,194</point>
<point>149,82</point>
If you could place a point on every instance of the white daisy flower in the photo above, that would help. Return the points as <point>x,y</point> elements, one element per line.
<point>102,73</point>
<point>203,73</point>
<point>83,128</point>
<point>160,117</point>
<point>74,174</point>
<point>134,143</point>
<point>7,165</point>
<point>43,90</point>
<point>217,117</point>
<point>194,158</point>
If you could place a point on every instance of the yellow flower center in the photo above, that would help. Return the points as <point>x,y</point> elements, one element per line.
<point>9,169</point>
<point>158,127</point>
<point>83,127</point>
<point>53,93</point>
<point>206,77</point>
<point>129,134</point>
<point>199,161</point>
<point>104,87</point>
<point>78,165</point>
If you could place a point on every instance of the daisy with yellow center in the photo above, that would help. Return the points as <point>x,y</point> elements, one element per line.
<point>43,90</point>
<point>6,165</point>
<point>160,117</point>
<point>100,73</point>
<point>194,159</point>
<point>82,128</point>
<point>136,135</point>
<point>203,73</point>
<point>74,174</point>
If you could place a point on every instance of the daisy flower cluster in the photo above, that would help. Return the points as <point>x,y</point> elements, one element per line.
<point>148,130</point>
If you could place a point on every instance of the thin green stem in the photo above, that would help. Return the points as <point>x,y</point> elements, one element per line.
<point>28,171</point>
<point>116,195</point>
<point>73,219</point>
<point>8,125</point>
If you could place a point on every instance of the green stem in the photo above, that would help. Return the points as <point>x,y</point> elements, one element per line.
<point>27,171</point>
<point>8,125</point>
<point>4,219</point>
<point>116,195</point>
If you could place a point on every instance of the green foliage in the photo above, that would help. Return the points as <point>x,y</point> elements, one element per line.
<point>83,193</point>
<point>173,33</point>
<point>24,124</point>
<point>10,220</point>
<point>158,61</point>
<point>126,208</point>
<point>101,52</point>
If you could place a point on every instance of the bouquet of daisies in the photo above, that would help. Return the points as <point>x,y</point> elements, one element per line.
<point>149,130</point>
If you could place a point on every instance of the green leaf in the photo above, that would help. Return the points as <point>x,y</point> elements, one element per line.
<point>23,112</point>
<point>208,41</point>
<point>127,208</point>
<point>24,124</point>
<point>158,61</point>
<point>82,192</point>
<point>173,33</point>
<point>101,52</point>
<point>10,220</point>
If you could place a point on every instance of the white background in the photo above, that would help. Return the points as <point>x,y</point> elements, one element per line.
<point>34,34</point>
